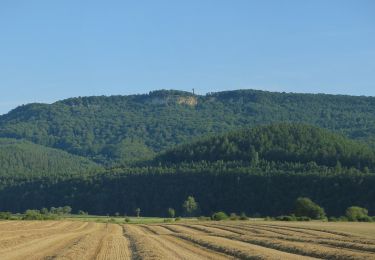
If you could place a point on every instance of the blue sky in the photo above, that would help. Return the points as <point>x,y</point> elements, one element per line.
<point>50,50</point>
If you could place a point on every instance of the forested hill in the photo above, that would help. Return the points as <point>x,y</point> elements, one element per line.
<point>123,128</point>
<point>23,159</point>
<point>293,143</point>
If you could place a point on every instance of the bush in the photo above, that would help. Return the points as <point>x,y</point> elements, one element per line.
<point>81,212</point>
<point>203,218</point>
<point>333,219</point>
<point>243,216</point>
<point>219,216</point>
<point>269,218</point>
<point>233,216</point>
<point>167,220</point>
<point>303,218</point>
<point>5,215</point>
<point>286,218</point>
<point>307,208</point>
<point>365,219</point>
<point>127,220</point>
<point>343,219</point>
<point>32,214</point>
<point>177,219</point>
<point>355,213</point>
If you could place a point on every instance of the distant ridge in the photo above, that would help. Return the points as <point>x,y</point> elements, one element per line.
<point>107,129</point>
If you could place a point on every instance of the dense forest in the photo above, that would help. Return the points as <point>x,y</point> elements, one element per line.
<point>118,130</point>
<point>295,143</point>
<point>23,159</point>
<point>258,171</point>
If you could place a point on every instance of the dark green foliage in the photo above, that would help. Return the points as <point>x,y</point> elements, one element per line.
<point>24,159</point>
<point>216,187</point>
<point>303,218</point>
<point>5,215</point>
<point>259,171</point>
<point>121,129</point>
<point>280,143</point>
<point>304,207</point>
<point>286,218</point>
<point>219,216</point>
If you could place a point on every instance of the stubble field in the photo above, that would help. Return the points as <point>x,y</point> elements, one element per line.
<point>186,240</point>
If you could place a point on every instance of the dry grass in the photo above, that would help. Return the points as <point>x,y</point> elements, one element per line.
<point>195,240</point>
<point>62,240</point>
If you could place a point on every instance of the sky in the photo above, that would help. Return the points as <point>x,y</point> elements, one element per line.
<point>51,50</point>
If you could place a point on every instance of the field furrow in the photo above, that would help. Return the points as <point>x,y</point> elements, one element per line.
<point>186,240</point>
<point>155,242</point>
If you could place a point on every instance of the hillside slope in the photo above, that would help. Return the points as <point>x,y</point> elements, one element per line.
<point>108,129</point>
<point>261,170</point>
<point>293,143</point>
<point>23,159</point>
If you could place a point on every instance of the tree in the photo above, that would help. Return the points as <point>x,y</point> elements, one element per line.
<point>137,212</point>
<point>355,213</point>
<point>81,212</point>
<point>171,212</point>
<point>67,210</point>
<point>190,206</point>
<point>305,207</point>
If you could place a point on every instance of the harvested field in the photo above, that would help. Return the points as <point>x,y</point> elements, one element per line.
<point>62,240</point>
<point>186,240</point>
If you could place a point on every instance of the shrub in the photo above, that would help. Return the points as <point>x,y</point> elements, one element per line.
<point>167,220</point>
<point>32,214</point>
<point>365,219</point>
<point>243,216</point>
<point>203,218</point>
<point>234,216</point>
<point>303,218</point>
<point>219,216</point>
<point>286,218</point>
<point>307,208</point>
<point>343,219</point>
<point>5,215</point>
<point>81,212</point>
<point>177,219</point>
<point>355,213</point>
<point>333,219</point>
<point>127,220</point>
